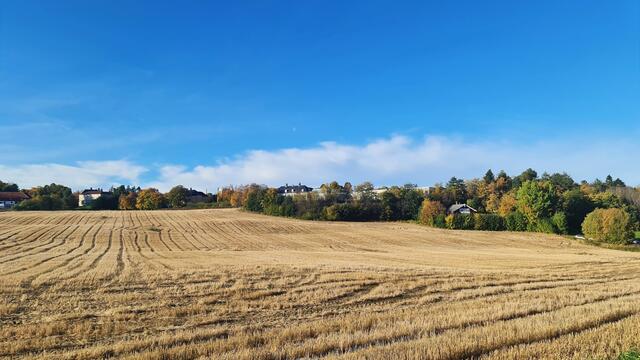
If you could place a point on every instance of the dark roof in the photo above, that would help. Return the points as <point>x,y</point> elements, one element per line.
<point>456,207</point>
<point>192,192</point>
<point>13,196</point>
<point>294,189</point>
<point>91,191</point>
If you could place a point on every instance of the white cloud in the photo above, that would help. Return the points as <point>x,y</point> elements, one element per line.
<point>79,176</point>
<point>393,160</point>
<point>399,159</point>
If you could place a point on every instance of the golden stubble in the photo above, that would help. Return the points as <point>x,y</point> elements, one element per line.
<point>233,285</point>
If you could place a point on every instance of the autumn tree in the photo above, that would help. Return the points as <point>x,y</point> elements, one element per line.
<point>431,211</point>
<point>149,199</point>
<point>508,204</point>
<point>128,201</point>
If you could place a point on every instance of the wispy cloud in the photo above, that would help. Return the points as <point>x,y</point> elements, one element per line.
<point>400,159</point>
<point>78,176</point>
<point>393,160</point>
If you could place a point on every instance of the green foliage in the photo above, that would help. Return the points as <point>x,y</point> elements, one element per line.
<point>410,200</point>
<point>489,177</point>
<point>608,225</point>
<point>489,222</point>
<point>455,192</point>
<point>562,182</point>
<point>49,197</point>
<point>104,202</point>
<point>177,197</point>
<point>576,205</point>
<point>9,187</point>
<point>460,222</point>
<point>42,202</point>
<point>632,354</point>
<point>440,221</point>
<point>537,200</point>
<point>544,225</point>
<point>559,221</point>
<point>516,221</point>
<point>389,204</point>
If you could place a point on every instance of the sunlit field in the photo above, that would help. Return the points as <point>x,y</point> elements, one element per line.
<point>227,284</point>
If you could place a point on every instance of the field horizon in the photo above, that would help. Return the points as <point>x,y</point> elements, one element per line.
<point>231,284</point>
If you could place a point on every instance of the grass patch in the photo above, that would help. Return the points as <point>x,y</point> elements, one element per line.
<point>630,355</point>
<point>605,245</point>
<point>637,234</point>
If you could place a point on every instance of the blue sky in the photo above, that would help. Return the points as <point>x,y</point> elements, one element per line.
<point>212,93</point>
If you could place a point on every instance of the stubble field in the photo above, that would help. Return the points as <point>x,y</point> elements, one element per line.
<point>227,284</point>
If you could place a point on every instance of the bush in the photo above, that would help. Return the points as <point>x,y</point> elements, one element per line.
<point>43,202</point>
<point>609,225</point>
<point>440,221</point>
<point>559,221</point>
<point>489,222</point>
<point>630,355</point>
<point>516,221</point>
<point>460,222</point>
<point>544,225</point>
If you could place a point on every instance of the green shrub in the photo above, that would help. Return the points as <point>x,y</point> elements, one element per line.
<point>630,355</point>
<point>489,222</point>
<point>559,221</point>
<point>460,222</point>
<point>440,221</point>
<point>516,221</point>
<point>608,225</point>
<point>545,225</point>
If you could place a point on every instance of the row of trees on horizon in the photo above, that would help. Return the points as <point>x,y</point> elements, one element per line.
<point>551,203</point>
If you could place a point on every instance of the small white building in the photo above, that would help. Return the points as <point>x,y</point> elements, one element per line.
<point>291,190</point>
<point>461,209</point>
<point>89,195</point>
<point>9,199</point>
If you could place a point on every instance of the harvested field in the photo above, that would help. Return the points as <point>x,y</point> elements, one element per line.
<point>226,284</point>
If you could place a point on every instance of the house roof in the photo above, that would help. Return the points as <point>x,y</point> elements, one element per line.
<point>13,196</point>
<point>456,207</point>
<point>192,192</point>
<point>92,191</point>
<point>294,188</point>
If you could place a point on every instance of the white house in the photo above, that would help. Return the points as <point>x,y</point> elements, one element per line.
<point>9,199</point>
<point>89,195</point>
<point>461,209</point>
<point>291,190</point>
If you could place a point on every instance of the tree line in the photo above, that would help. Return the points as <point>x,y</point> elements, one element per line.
<point>60,197</point>
<point>605,210</point>
<point>551,203</point>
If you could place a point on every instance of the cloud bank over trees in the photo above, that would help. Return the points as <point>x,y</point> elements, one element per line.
<point>396,159</point>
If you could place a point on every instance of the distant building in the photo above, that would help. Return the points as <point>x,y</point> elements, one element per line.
<point>461,209</point>
<point>195,196</point>
<point>290,190</point>
<point>9,199</point>
<point>87,196</point>
<point>379,191</point>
